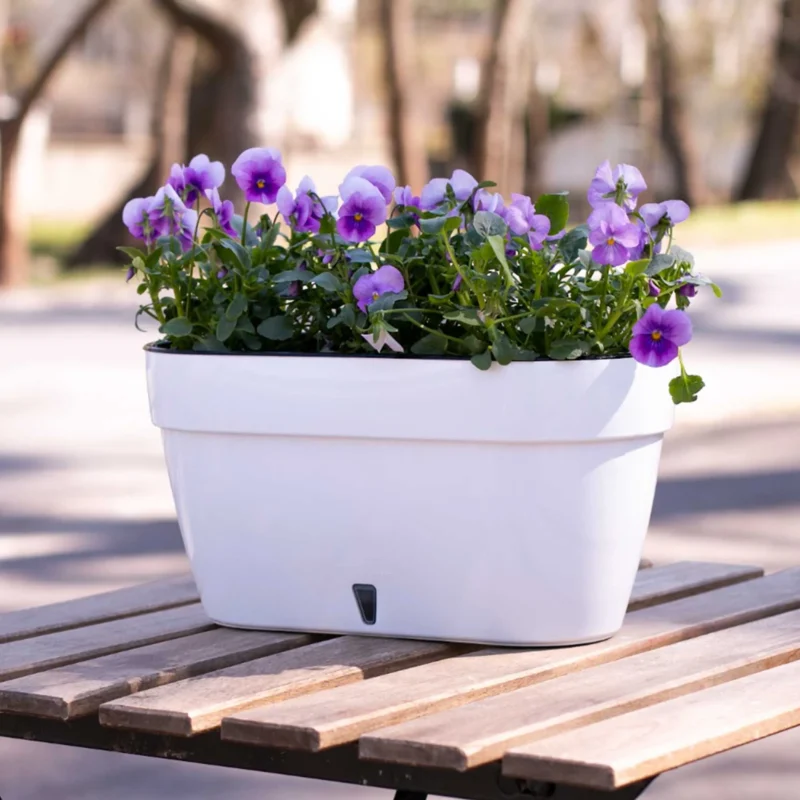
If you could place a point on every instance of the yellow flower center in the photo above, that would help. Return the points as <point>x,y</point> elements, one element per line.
<point>261,183</point>
<point>611,241</point>
<point>655,335</point>
<point>375,295</point>
<point>358,216</point>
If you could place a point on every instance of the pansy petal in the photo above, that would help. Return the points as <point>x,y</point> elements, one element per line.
<point>677,326</point>
<point>463,183</point>
<point>676,210</point>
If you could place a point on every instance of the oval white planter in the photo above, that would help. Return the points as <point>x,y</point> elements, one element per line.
<point>504,507</point>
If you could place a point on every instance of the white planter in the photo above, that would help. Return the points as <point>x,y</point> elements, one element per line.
<point>505,507</point>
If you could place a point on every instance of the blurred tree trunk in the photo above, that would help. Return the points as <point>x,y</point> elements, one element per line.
<point>538,129</point>
<point>405,131</point>
<point>170,122</point>
<point>220,106</point>
<point>663,90</point>
<point>13,251</point>
<point>767,175</point>
<point>500,143</point>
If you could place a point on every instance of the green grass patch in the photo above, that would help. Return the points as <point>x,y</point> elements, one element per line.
<point>56,238</point>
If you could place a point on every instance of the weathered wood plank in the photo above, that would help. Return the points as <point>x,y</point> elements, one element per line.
<point>198,704</point>
<point>25,656</point>
<point>343,714</point>
<point>128,602</point>
<point>481,732</point>
<point>79,689</point>
<point>684,579</point>
<point>625,749</point>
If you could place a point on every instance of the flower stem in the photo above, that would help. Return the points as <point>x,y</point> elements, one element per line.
<point>463,274</point>
<point>431,330</point>
<point>612,320</point>
<point>244,223</point>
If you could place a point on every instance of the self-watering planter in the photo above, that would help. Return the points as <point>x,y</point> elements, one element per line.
<point>417,498</point>
<point>488,474</point>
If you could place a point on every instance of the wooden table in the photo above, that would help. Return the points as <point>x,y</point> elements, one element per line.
<point>708,659</point>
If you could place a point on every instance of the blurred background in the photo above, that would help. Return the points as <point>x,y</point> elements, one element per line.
<point>99,97</point>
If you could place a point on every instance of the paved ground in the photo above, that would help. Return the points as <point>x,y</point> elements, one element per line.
<point>85,505</point>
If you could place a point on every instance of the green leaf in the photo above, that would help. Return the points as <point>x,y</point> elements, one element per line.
<point>466,316</point>
<point>360,256</point>
<point>347,316</point>
<point>225,327</point>
<point>682,257</point>
<point>244,325</point>
<point>141,288</point>
<point>327,225</point>
<point>487,224</point>
<point>328,282</point>
<point>556,208</point>
<point>568,349</point>
<point>438,224</point>
<point>430,345</point>
<point>502,349</point>
<point>386,301</point>
<point>232,255</point>
<point>635,268</point>
<point>685,388</point>
<point>482,360</point>
<point>473,344</point>
<point>237,222</point>
<point>292,275</point>
<point>392,242</point>
<point>405,220</point>
<point>277,328</point>
<point>573,242</point>
<point>717,291</point>
<point>178,326</point>
<point>486,185</point>
<point>235,310</point>
<point>585,257</point>
<point>252,342</point>
<point>498,245</point>
<point>528,324</point>
<point>133,252</point>
<point>524,355</point>
<point>209,344</point>
<point>659,263</point>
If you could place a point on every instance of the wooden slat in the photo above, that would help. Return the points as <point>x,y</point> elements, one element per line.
<point>475,734</point>
<point>684,579</point>
<point>198,704</point>
<point>128,602</point>
<point>25,656</point>
<point>344,714</point>
<point>625,749</point>
<point>79,689</point>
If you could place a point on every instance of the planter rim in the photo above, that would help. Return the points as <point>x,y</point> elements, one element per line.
<point>415,399</point>
<point>153,347</point>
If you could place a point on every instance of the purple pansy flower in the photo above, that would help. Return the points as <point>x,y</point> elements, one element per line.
<point>363,210</point>
<point>645,238</point>
<point>624,180</point>
<point>486,201</point>
<point>196,179</point>
<point>435,191</point>
<point>523,220</point>
<point>304,212</point>
<point>380,177</point>
<point>370,287</point>
<point>223,211</point>
<point>259,173</point>
<point>688,289</point>
<point>326,256</point>
<point>166,210</point>
<point>456,283</point>
<point>186,226</point>
<point>140,221</point>
<point>652,289</point>
<point>404,196</point>
<point>612,234</point>
<point>658,335</point>
<point>670,212</point>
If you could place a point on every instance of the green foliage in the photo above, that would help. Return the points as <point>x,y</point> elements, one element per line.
<point>470,289</point>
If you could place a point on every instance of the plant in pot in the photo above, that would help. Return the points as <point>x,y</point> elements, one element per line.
<point>434,416</point>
